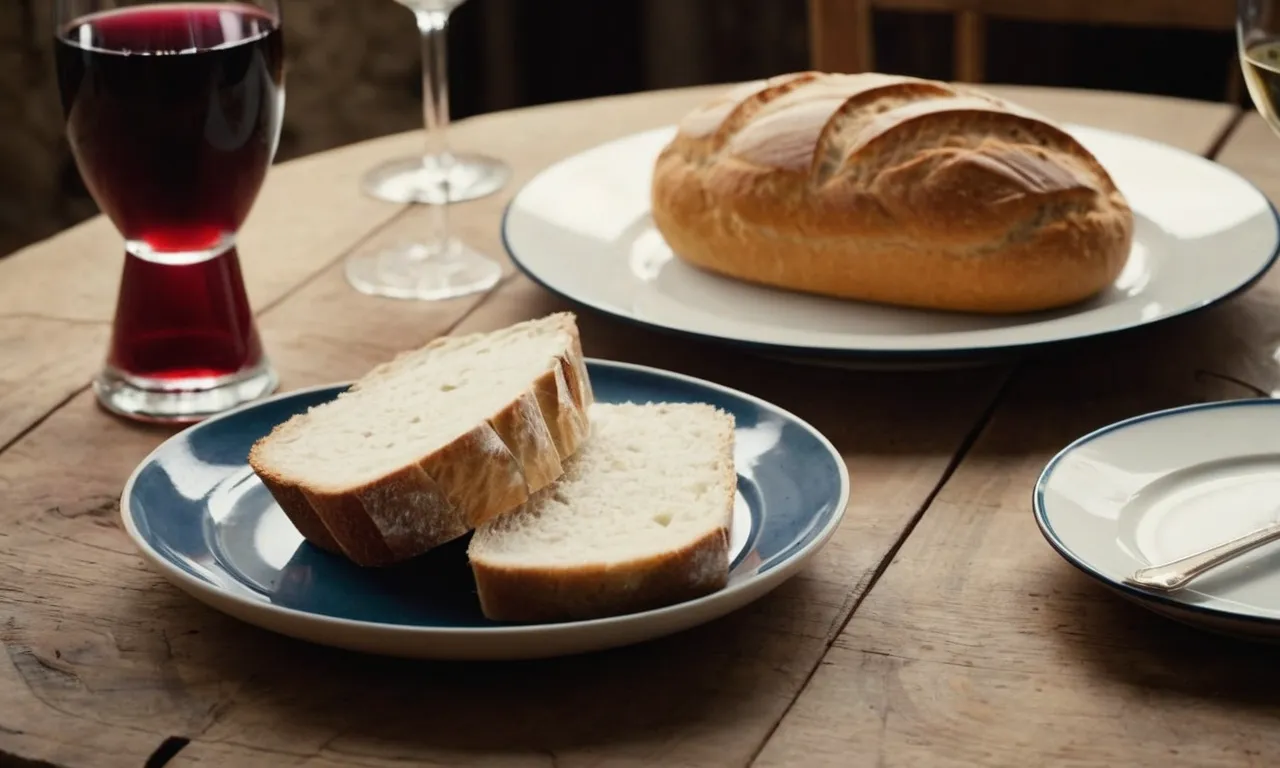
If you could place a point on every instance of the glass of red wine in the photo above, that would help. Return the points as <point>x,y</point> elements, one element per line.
<point>173,113</point>
<point>438,266</point>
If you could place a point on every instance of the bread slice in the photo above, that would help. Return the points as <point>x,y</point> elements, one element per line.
<point>640,519</point>
<point>433,443</point>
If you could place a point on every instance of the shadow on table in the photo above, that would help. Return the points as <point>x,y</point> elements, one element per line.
<point>1225,352</point>
<point>1228,352</point>
<point>885,411</point>
<point>650,694</point>
<point>1157,656</point>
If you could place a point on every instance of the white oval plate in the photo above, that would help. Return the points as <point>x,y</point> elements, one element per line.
<point>203,520</point>
<point>582,229</point>
<point>1164,485</point>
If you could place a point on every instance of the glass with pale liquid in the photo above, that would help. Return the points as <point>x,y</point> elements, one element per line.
<point>1258,34</point>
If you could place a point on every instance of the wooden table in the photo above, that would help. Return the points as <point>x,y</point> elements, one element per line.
<point>937,628</point>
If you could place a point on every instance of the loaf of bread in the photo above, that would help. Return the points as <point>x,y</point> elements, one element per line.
<point>428,446</point>
<point>640,519</point>
<point>892,190</point>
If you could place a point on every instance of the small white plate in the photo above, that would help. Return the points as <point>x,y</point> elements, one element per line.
<point>582,229</point>
<point>1164,485</point>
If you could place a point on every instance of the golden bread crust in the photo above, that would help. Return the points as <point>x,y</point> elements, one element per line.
<point>487,471</point>
<point>591,589</point>
<point>531,595</point>
<point>892,190</point>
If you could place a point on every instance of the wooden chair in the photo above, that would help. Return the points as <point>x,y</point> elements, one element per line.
<point>841,39</point>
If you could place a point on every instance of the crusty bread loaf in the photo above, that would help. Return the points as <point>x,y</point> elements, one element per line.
<point>893,190</point>
<point>640,519</point>
<point>433,443</point>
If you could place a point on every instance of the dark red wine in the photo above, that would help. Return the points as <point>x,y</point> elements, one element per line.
<point>173,113</point>
<point>179,322</point>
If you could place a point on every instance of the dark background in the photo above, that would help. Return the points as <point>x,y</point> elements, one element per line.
<point>570,49</point>
<point>354,69</point>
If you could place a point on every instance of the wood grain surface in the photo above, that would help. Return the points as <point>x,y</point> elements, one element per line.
<point>979,645</point>
<point>57,297</point>
<point>108,665</point>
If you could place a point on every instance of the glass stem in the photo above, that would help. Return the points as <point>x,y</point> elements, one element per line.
<point>434,26</point>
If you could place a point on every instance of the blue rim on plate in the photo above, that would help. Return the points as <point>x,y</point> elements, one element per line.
<point>1129,590</point>
<point>198,514</point>
<point>893,357</point>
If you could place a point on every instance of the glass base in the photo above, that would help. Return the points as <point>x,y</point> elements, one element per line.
<point>167,401</point>
<point>422,179</point>
<point>427,273</point>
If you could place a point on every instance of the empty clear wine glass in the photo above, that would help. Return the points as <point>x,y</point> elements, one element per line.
<point>442,267</point>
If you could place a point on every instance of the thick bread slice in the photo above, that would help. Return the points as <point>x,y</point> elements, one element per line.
<point>640,519</point>
<point>433,443</point>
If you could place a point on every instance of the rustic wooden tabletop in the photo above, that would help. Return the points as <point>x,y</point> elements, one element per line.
<point>937,628</point>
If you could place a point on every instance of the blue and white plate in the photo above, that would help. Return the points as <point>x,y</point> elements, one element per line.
<point>1164,485</point>
<point>200,516</point>
<point>581,228</point>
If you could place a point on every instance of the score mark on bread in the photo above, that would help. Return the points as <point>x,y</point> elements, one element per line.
<point>893,190</point>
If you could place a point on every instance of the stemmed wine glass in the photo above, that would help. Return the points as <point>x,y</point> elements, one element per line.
<point>1258,36</point>
<point>173,113</point>
<point>442,266</point>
